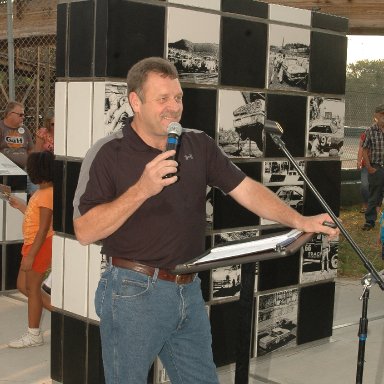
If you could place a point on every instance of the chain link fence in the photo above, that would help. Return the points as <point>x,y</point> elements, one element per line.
<point>34,41</point>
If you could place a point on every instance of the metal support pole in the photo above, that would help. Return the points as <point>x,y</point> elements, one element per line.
<point>11,52</point>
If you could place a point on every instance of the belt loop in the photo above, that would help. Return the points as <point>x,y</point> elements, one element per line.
<point>155,275</point>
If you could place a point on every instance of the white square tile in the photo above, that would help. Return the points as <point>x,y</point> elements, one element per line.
<point>211,4</point>
<point>79,126</point>
<point>289,14</point>
<point>96,267</point>
<point>14,220</point>
<point>75,277</point>
<point>60,118</point>
<point>98,111</point>
<point>57,271</point>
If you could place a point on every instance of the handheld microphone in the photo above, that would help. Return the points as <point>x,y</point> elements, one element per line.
<point>174,131</point>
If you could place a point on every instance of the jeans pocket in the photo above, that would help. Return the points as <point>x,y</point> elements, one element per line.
<point>133,286</point>
<point>99,296</point>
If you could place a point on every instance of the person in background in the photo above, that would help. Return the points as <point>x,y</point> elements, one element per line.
<point>45,135</point>
<point>373,155</point>
<point>15,139</point>
<point>37,247</point>
<point>364,186</point>
<point>149,211</point>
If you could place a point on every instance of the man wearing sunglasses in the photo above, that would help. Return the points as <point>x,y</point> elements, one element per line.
<point>15,139</point>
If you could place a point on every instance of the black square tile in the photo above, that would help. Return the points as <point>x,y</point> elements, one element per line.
<point>81,36</point>
<point>291,113</point>
<point>227,213</point>
<point>225,328</point>
<point>101,42</point>
<point>327,63</point>
<point>326,178</point>
<point>61,39</point>
<point>199,110</point>
<point>16,182</point>
<point>57,320</point>
<point>74,350</point>
<point>12,264</point>
<point>135,31</point>
<point>246,7</point>
<point>94,359</point>
<point>315,318</point>
<point>278,273</point>
<point>330,22</point>
<point>243,53</point>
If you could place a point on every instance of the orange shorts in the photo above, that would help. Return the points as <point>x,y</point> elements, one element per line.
<point>43,258</point>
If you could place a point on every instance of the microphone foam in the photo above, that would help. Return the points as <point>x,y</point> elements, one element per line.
<point>174,129</point>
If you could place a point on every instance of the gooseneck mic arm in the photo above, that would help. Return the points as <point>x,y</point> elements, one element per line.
<point>275,131</point>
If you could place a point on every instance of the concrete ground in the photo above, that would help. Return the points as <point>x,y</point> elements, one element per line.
<point>326,361</point>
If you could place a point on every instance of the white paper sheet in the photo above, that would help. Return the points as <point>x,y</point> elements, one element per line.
<point>244,248</point>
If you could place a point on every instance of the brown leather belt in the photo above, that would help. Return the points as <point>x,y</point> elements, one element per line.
<point>163,274</point>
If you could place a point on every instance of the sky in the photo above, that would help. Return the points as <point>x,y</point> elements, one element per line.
<point>365,48</point>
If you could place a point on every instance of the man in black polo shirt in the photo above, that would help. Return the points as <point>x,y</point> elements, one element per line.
<point>149,223</point>
<point>373,155</point>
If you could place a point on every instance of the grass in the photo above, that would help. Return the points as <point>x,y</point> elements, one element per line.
<point>350,264</point>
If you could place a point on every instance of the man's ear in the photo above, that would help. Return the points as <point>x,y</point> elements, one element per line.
<point>134,101</point>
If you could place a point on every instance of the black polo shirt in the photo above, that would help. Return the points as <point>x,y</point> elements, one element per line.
<point>169,228</point>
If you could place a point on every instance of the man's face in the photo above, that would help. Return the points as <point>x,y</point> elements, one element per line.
<point>160,105</point>
<point>15,118</point>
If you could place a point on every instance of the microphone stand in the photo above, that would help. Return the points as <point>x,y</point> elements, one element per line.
<point>275,131</point>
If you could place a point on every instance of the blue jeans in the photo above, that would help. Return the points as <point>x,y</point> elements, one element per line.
<point>376,185</point>
<point>142,317</point>
<point>364,186</point>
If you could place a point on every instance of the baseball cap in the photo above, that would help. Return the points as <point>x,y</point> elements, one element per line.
<point>379,108</point>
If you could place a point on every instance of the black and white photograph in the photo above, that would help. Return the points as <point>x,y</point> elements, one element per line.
<point>209,206</point>
<point>289,49</point>
<point>193,45</point>
<point>276,321</point>
<point>116,108</point>
<point>319,259</point>
<point>292,195</point>
<point>211,4</point>
<point>282,172</point>
<point>241,122</point>
<point>226,281</point>
<point>326,126</point>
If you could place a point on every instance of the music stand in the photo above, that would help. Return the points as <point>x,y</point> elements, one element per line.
<point>246,252</point>
<point>265,247</point>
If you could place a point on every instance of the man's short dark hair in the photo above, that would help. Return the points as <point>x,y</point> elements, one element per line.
<point>40,167</point>
<point>138,74</point>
